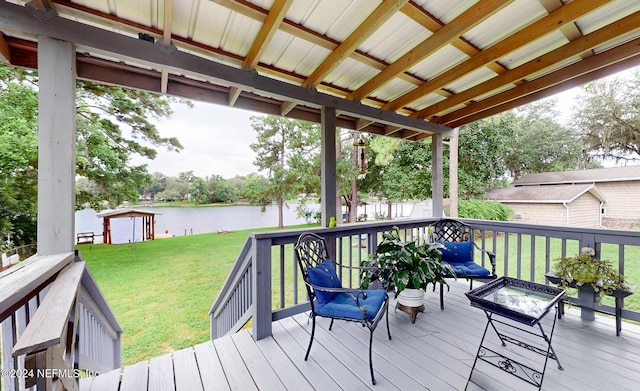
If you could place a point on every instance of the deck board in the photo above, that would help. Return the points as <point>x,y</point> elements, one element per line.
<point>435,353</point>
<point>161,373</point>
<point>186,370</point>
<point>211,372</point>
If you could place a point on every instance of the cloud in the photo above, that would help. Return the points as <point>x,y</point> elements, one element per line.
<point>215,138</point>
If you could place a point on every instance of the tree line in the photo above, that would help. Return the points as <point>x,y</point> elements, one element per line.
<point>113,124</point>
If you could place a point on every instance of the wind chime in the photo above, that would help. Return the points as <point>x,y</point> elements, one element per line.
<point>361,145</point>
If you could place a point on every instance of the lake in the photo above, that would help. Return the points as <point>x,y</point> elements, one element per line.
<point>180,221</point>
<point>190,220</point>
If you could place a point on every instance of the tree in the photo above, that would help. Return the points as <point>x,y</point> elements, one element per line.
<point>221,190</point>
<point>112,125</point>
<point>538,143</point>
<point>481,155</point>
<point>158,184</point>
<point>286,150</point>
<point>18,159</point>
<point>175,189</point>
<point>199,191</point>
<point>608,119</point>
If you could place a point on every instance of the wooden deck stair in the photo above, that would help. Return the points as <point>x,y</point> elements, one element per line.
<point>435,353</point>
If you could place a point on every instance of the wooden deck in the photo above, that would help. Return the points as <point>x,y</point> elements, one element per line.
<point>435,353</point>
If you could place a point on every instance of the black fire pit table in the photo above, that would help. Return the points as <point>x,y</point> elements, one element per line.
<point>524,303</point>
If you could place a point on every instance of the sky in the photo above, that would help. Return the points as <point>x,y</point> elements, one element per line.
<point>216,139</point>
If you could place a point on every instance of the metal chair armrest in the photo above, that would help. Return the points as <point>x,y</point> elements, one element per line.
<point>492,257</point>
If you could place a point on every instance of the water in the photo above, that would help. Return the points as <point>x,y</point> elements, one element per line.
<point>180,221</point>
<point>190,220</point>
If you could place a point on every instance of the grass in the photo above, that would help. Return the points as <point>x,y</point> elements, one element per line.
<point>161,291</point>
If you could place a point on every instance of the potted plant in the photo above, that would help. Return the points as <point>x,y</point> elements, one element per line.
<point>406,266</point>
<point>585,268</point>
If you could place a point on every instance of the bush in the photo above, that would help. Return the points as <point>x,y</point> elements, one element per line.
<point>484,210</point>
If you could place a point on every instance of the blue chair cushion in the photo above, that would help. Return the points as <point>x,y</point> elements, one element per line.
<point>344,306</point>
<point>469,269</point>
<point>457,252</point>
<point>324,275</point>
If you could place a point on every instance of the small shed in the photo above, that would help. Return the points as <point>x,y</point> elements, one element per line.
<point>148,221</point>
<point>560,205</point>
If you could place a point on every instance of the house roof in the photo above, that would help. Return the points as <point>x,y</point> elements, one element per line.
<point>126,213</point>
<point>543,194</point>
<point>613,174</point>
<point>402,68</point>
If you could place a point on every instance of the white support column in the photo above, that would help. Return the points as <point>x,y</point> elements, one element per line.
<point>436,175</point>
<point>328,166</point>
<point>56,146</point>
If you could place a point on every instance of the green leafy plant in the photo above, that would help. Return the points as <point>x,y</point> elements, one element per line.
<point>585,268</point>
<point>405,264</point>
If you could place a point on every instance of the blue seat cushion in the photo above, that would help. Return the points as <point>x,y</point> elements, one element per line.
<point>324,275</point>
<point>457,252</point>
<point>343,306</point>
<point>468,269</point>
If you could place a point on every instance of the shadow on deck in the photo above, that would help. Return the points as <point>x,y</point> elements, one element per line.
<point>436,353</point>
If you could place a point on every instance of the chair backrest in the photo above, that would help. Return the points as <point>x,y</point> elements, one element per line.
<point>311,250</point>
<point>450,230</point>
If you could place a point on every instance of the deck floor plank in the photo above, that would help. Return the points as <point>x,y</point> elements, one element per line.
<point>282,364</point>
<point>326,358</point>
<point>211,372</point>
<point>437,353</point>
<point>186,370</point>
<point>134,377</point>
<point>262,373</point>
<point>233,365</point>
<point>109,381</point>
<point>310,369</point>
<point>161,373</point>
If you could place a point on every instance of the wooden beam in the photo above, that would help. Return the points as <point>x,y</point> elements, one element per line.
<point>269,27</point>
<point>554,89</point>
<point>603,60</point>
<point>370,25</point>
<point>256,13</point>
<point>562,16</point>
<point>168,17</point>
<point>451,31</point>
<point>431,23</point>
<point>16,18</point>
<point>574,48</point>
<point>5,52</point>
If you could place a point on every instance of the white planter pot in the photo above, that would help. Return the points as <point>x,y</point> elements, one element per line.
<point>411,297</point>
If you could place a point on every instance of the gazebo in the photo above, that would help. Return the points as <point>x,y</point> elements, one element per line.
<point>148,222</point>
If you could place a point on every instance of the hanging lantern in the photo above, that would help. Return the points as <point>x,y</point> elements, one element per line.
<point>361,145</point>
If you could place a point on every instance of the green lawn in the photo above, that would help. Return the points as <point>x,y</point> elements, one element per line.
<point>161,291</point>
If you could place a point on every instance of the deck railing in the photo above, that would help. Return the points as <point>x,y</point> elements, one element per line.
<point>56,324</point>
<point>266,273</point>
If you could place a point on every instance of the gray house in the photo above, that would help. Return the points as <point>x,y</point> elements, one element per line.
<point>582,198</point>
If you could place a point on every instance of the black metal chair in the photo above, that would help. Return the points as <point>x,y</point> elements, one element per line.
<point>327,297</point>
<point>457,238</point>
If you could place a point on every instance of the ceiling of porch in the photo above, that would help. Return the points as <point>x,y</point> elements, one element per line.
<point>401,68</point>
